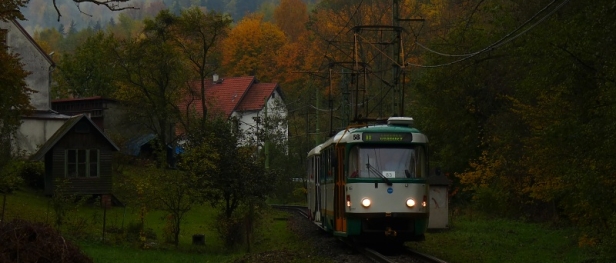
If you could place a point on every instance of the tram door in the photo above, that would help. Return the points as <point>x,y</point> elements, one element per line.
<point>339,195</point>
<point>317,192</point>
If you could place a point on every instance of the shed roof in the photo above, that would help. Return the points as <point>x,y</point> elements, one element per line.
<point>82,99</point>
<point>59,134</point>
<point>438,180</point>
<point>46,115</point>
<point>133,146</point>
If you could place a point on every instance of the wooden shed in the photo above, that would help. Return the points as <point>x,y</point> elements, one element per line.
<point>439,201</point>
<point>80,152</point>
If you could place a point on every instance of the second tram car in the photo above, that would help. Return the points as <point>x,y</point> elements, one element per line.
<point>369,183</point>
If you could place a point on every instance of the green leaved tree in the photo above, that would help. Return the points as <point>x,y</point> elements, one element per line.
<point>14,100</point>
<point>198,36</point>
<point>88,71</point>
<point>152,77</point>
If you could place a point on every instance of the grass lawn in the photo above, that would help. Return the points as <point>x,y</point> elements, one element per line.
<point>477,239</point>
<point>105,253</point>
<point>30,205</point>
<point>483,240</point>
<point>272,234</point>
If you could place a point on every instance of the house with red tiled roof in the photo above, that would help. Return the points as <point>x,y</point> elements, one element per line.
<point>243,100</point>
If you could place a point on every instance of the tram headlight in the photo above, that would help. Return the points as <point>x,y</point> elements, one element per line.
<point>410,202</point>
<point>366,202</point>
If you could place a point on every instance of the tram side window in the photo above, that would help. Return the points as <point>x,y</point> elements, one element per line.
<point>317,168</point>
<point>324,166</point>
<point>309,170</point>
<point>331,171</point>
<point>421,166</point>
<point>328,167</point>
<point>354,169</point>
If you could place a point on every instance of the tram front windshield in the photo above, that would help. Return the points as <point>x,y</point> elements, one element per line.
<point>389,162</point>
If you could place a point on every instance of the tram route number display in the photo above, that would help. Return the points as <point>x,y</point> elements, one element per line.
<point>387,137</point>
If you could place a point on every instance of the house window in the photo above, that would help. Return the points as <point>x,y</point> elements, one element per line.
<point>3,33</point>
<point>236,124</point>
<point>82,163</point>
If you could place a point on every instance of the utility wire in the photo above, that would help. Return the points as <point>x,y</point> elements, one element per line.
<point>348,21</point>
<point>325,110</point>
<point>330,41</point>
<point>494,45</point>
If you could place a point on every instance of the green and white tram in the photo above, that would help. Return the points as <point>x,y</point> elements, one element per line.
<point>368,183</point>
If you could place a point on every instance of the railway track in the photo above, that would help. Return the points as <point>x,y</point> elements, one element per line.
<point>379,255</point>
<point>398,255</point>
<point>299,209</point>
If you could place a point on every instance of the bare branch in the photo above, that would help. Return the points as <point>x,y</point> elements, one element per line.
<point>113,5</point>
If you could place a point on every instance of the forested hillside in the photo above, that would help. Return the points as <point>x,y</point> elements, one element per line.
<point>41,14</point>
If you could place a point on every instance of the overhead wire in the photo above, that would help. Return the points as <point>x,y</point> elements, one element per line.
<point>496,44</point>
<point>493,44</point>
<point>331,40</point>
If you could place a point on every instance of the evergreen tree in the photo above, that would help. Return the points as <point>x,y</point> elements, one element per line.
<point>61,29</point>
<point>177,9</point>
<point>73,28</point>
<point>97,26</point>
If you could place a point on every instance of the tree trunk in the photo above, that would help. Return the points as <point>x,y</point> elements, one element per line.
<point>3,207</point>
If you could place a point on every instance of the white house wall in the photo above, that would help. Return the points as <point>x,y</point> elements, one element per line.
<point>248,126</point>
<point>35,132</point>
<point>34,62</point>
<point>276,106</point>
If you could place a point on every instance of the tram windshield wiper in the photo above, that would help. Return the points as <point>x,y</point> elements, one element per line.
<point>374,170</point>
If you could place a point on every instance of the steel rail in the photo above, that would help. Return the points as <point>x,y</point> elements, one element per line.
<point>425,256</point>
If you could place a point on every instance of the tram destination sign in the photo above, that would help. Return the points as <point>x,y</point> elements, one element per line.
<point>387,137</point>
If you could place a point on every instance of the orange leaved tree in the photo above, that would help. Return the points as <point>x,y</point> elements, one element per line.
<point>252,48</point>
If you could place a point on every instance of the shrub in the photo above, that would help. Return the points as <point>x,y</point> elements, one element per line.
<point>491,200</point>
<point>23,241</point>
<point>231,230</point>
<point>9,177</point>
<point>33,174</point>
<point>133,230</point>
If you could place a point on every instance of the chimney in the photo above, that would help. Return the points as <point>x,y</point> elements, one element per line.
<point>215,78</point>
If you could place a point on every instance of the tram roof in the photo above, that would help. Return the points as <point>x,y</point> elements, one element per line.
<point>345,136</point>
<point>316,150</point>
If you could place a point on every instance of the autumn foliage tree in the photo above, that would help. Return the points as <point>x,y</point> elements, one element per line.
<point>252,48</point>
<point>523,121</point>
<point>291,17</point>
